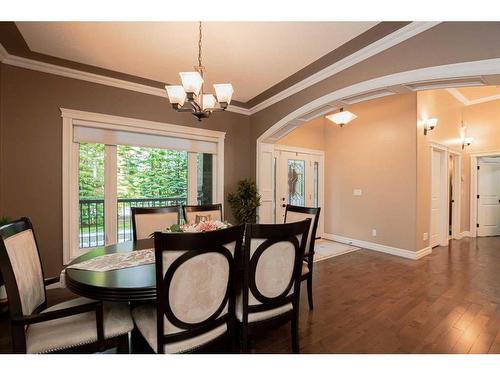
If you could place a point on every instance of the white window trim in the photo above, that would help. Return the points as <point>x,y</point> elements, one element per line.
<point>70,162</point>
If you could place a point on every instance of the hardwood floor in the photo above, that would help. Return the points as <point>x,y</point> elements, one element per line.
<point>369,302</point>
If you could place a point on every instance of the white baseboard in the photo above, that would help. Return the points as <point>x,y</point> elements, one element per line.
<point>382,248</point>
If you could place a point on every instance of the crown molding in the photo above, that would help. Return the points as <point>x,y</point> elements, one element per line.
<point>22,62</point>
<point>378,46</point>
<point>467,102</point>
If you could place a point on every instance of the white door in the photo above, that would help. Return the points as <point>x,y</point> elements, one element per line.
<point>488,188</point>
<point>436,203</point>
<point>298,182</point>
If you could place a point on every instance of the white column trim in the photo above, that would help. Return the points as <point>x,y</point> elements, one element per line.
<point>110,194</point>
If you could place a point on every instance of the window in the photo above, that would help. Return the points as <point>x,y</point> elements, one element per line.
<point>111,164</point>
<point>91,194</point>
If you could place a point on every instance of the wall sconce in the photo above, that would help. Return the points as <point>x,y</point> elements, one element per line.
<point>430,124</point>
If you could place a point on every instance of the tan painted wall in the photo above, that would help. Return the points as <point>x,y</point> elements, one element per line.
<point>31,143</point>
<point>377,154</point>
<point>362,155</point>
<point>483,123</point>
<point>310,135</point>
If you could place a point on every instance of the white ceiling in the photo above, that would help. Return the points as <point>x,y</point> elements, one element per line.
<point>253,56</point>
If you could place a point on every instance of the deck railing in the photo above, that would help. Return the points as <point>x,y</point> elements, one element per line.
<point>92,217</point>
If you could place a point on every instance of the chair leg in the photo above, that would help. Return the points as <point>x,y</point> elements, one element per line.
<point>123,345</point>
<point>295,334</point>
<point>309,290</point>
<point>244,339</point>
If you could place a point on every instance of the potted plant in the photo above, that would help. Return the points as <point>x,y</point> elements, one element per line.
<point>245,201</point>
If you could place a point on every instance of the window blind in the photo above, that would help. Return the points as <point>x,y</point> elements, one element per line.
<point>89,134</point>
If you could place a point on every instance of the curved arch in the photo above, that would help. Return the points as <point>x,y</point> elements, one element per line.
<point>435,73</point>
<point>441,76</point>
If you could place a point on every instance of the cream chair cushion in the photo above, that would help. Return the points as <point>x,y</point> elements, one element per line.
<point>197,290</point>
<point>147,224</point>
<point>145,320</point>
<point>206,215</point>
<point>76,330</point>
<point>273,273</point>
<point>293,217</point>
<point>25,261</point>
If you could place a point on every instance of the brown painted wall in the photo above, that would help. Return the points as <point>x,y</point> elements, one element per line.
<point>31,139</point>
<point>446,43</point>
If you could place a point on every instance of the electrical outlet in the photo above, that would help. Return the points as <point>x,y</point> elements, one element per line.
<point>426,236</point>
<point>357,192</point>
<point>374,232</point>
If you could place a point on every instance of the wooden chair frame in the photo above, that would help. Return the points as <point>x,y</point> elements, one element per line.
<point>272,233</point>
<point>196,244</point>
<point>18,320</point>
<point>309,253</point>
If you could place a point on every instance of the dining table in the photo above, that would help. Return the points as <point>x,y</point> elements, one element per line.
<point>131,284</point>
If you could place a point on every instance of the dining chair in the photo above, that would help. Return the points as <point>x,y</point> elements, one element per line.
<point>296,213</point>
<point>147,220</point>
<point>195,214</point>
<point>195,283</point>
<point>270,290</point>
<point>77,325</point>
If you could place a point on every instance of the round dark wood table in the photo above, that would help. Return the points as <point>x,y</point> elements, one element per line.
<point>125,285</point>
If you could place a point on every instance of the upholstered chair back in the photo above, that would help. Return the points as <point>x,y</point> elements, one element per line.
<point>272,264</point>
<point>21,268</point>
<point>195,279</point>
<point>295,213</point>
<point>195,214</point>
<point>147,220</point>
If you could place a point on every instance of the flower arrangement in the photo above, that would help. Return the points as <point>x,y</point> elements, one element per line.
<point>202,226</point>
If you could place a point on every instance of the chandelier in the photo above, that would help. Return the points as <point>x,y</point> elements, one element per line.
<point>190,96</point>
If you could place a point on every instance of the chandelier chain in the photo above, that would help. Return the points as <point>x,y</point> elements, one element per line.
<point>199,46</point>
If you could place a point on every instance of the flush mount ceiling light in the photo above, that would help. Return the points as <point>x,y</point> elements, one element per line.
<point>430,124</point>
<point>190,97</point>
<point>342,117</point>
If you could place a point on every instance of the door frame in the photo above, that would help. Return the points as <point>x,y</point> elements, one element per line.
<point>474,156</point>
<point>321,175</point>
<point>445,153</point>
<point>444,194</point>
<point>456,213</point>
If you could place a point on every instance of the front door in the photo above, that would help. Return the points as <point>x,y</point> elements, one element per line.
<point>488,215</point>
<point>298,181</point>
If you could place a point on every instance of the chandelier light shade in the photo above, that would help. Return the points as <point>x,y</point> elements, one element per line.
<point>342,117</point>
<point>190,96</point>
<point>224,92</point>
<point>192,82</point>
<point>176,95</point>
<point>209,102</point>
